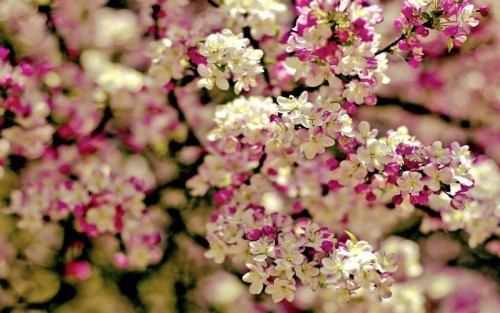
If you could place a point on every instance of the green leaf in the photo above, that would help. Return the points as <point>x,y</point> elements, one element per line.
<point>426,15</point>
<point>352,237</point>
<point>450,43</point>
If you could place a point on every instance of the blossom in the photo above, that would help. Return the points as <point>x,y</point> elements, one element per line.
<point>465,18</point>
<point>281,289</point>
<point>419,3</point>
<point>316,143</point>
<point>374,155</point>
<point>438,176</point>
<point>228,53</point>
<point>294,107</point>
<point>257,277</point>
<point>410,182</point>
<point>212,75</point>
<point>351,172</point>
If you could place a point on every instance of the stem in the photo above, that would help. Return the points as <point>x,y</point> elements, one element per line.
<point>213,3</point>
<point>392,44</point>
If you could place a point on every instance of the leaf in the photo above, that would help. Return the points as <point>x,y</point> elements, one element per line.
<point>426,15</point>
<point>352,237</point>
<point>450,43</point>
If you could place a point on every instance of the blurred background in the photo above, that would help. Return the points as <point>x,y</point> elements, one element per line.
<point>101,47</point>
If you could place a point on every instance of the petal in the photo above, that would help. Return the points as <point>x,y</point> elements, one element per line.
<point>222,84</point>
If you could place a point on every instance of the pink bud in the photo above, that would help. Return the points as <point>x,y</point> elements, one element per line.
<point>484,10</point>
<point>399,22</point>
<point>458,201</point>
<point>422,31</point>
<point>297,207</point>
<point>78,269</point>
<point>371,100</point>
<point>414,63</point>
<point>27,69</point>
<point>4,52</point>
<point>327,246</point>
<point>332,163</point>
<point>195,57</point>
<point>397,199</point>
<point>334,185</point>
<point>268,230</point>
<point>403,45</point>
<point>371,197</point>
<point>342,35</point>
<point>349,107</point>
<point>222,197</point>
<point>253,235</point>
<point>361,188</point>
<point>451,30</point>
<point>120,260</point>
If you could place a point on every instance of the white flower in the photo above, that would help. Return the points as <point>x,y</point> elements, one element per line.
<point>350,172</point>
<point>257,277</point>
<point>103,218</point>
<point>214,47</point>
<point>358,255</point>
<point>298,68</point>
<point>212,75</point>
<point>261,249</point>
<point>338,122</point>
<point>465,17</point>
<point>290,256</point>
<point>410,182</point>
<point>438,154</point>
<point>217,250</point>
<point>294,107</point>
<point>281,289</point>
<point>365,133</point>
<point>226,52</point>
<point>356,91</point>
<point>316,143</point>
<point>374,155</point>
<point>438,176</point>
<point>246,79</point>
<point>307,273</point>
<point>419,3</point>
<point>386,263</point>
<point>333,267</point>
<point>312,117</point>
<point>383,290</point>
<point>367,276</point>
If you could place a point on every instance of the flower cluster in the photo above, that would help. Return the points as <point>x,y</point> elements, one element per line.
<point>336,39</point>
<point>115,151</point>
<point>227,53</point>
<point>25,130</point>
<point>169,61</point>
<point>480,217</point>
<point>454,18</point>
<point>263,17</point>
<point>400,167</point>
<point>97,200</point>
<point>279,252</point>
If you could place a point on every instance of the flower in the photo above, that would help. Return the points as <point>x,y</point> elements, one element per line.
<point>212,75</point>
<point>374,155</point>
<point>294,107</point>
<point>438,176</point>
<point>257,277</point>
<point>410,182</point>
<point>465,18</point>
<point>350,172</point>
<point>316,143</point>
<point>281,289</point>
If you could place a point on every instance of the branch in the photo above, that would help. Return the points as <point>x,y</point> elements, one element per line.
<point>392,44</point>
